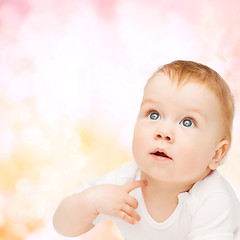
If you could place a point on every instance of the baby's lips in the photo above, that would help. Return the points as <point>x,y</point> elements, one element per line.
<point>160,152</point>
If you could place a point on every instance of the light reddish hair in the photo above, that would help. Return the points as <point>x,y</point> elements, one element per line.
<point>183,72</point>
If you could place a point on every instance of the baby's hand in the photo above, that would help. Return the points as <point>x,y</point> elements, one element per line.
<point>114,200</point>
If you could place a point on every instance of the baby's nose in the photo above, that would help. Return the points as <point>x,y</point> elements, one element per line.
<point>167,136</point>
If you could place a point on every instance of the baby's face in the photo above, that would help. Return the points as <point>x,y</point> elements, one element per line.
<point>176,131</point>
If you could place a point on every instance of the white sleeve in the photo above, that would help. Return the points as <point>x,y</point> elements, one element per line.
<point>126,173</point>
<point>215,219</point>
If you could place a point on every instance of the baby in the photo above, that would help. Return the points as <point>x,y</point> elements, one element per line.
<point>172,190</point>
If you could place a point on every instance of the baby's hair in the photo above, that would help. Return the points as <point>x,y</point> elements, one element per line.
<point>183,72</point>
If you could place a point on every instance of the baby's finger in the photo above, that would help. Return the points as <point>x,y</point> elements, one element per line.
<point>125,217</point>
<point>131,212</point>
<point>135,184</point>
<point>132,201</point>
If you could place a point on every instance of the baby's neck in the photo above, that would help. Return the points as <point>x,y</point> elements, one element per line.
<point>160,188</point>
<point>161,198</point>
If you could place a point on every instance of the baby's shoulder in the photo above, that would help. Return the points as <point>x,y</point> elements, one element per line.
<point>215,198</point>
<point>213,187</point>
<point>213,184</point>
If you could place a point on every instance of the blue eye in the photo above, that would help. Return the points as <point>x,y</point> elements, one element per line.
<point>187,123</point>
<point>154,116</point>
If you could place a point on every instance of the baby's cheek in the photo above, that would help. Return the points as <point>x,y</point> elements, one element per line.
<point>136,146</point>
<point>191,159</point>
<point>139,138</point>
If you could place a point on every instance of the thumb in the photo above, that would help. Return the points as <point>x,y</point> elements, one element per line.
<point>135,184</point>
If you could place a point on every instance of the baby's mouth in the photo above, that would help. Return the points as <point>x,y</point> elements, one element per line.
<point>160,154</point>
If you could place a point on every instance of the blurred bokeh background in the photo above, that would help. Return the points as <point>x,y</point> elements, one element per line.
<point>72,74</point>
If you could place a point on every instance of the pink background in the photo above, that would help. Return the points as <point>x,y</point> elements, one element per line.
<point>71,79</point>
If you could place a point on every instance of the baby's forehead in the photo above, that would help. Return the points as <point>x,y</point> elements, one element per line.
<point>163,89</point>
<point>178,83</point>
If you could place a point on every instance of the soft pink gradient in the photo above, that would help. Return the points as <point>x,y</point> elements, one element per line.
<point>71,79</point>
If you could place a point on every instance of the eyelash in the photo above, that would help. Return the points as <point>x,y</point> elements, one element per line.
<point>151,111</point>
<point>191,119</point>
<point>154,111</point>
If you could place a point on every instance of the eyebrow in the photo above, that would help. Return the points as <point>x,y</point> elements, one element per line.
<point>148,100</point>
<point>189,109</point>
<point>196,110</point>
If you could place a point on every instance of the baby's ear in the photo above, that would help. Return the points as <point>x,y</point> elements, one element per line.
<point>220,151</point>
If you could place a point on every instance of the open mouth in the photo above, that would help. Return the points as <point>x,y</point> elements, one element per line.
<point>161,154</point>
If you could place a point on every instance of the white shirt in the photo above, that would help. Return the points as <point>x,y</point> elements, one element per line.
<point>210,210</point>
